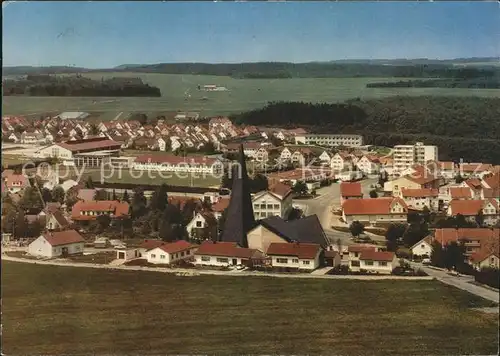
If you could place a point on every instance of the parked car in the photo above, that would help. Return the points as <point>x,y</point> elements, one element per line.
<point>426,261</point>
<point>240,267</point>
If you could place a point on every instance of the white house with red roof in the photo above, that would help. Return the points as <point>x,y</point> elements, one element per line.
<point>90,210</point>
<point>295,255</point>
<point>221,254</point>
<point>486,258</point>
<point>470,209</point>
<point>369,258</point>
<point>55,244</point>
<point>423,247</point>
<point>275,201</point>
<point>419,198</point>
<point>375,210</point>
<point>369,165</point>
<point>171,252</point>
<point>219,207</point>
<point>15,182</point>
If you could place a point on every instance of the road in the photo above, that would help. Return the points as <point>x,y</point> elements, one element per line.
<point>329,197</point>
<point>463,282</point>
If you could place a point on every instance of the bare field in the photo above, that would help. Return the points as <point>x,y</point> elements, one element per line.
<point>180,93</point>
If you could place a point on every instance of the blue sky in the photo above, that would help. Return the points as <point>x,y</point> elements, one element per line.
<point>106,34</point>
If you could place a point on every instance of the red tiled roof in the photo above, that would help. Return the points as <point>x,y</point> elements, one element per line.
<point>474,183</point>
<point>372,255</point>
<point>176,246</point>
<point>361,247</point>
<point>491,193</point>
<point>350,189</point>
<point>63,237</point>
<point>448,166</point>
<point>150,244</point>
<point>171,159</point>
<point>16,181</point>
<point>485,252</point>
<point>475,167</point>
<point>424,192</point>
<point>182,200</point>
<point>224,249</point>
<point>421,179</point>
<point>116,209</point>
<point>492,181</point>
<point>281,189</point>
<point>460,192</point>
<point>468,207</point>
<point>445,236</point>
<point>221,205</point>
<point>372,206</point>
<point>300,250</point>
<point>104,144</point>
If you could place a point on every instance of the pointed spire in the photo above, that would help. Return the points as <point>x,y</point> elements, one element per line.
<point>239,217</point>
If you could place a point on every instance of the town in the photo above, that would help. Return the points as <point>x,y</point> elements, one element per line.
<point>384,206</point>
<point>247,178</point>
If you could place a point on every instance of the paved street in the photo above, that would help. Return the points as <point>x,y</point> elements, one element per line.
<point>462,282</point>
<point>322,205</point>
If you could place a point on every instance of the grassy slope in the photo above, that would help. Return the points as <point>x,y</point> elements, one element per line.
<point>244,94</point>
<point>68,310</point>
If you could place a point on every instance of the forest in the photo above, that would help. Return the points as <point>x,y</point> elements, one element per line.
<point>462,127</point>
<point>338,69</point>
<point>77,85</point>
<point>477,83</point>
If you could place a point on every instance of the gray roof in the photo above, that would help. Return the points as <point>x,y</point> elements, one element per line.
<point>305,230</point>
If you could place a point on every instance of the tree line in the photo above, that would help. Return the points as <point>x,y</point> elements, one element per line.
<point>47,85</point>
<point>476,83</point>
<point>462,127</point>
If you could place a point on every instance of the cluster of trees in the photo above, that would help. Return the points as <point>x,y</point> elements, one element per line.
<point>462,127</point>
<point>451,256</point>
<point>46,85</point>
<point>477,83</point>
<point>14,220</point>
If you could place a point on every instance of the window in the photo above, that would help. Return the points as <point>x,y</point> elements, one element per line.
<point>182,254</point>
<point>256,206</point>
<point>198,224</point>
<point>263,206</point>
<point>422,246</point>
<point>369,263</point>
<point>153,255</point>
<point>282,260</point>
<point>295,260</point>
<point>382,263</point>
<point>162,257</point>
<point>356,254</point>
<point>276,206</point>
<point>205,258</point>
<point>306,262</point>
<point>355,263</point>
<point>188,252</point>
<point>222,260</point>
<point>269,206</point>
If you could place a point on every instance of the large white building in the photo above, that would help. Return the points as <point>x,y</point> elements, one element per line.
<point>406,156</point>
<point>330,140</point>
<point>277,201</point>
<point>171,163</point>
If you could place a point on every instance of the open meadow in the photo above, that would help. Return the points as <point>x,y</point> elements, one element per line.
<point>67,310</point>
<point>180,93</point>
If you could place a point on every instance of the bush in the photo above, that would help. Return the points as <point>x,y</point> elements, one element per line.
<point>403,253</point>
<point>341,269</point>
<point>488,276</point>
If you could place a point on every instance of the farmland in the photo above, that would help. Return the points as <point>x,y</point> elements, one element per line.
<point>64,310</point>
<point>180,93</point>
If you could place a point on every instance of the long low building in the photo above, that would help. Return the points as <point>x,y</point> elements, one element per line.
<point>330,140</point>
<point>171,163</point>
<point>91,152</point>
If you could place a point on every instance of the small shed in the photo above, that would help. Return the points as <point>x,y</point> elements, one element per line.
<point>127,254</point>
<point>101,242</point>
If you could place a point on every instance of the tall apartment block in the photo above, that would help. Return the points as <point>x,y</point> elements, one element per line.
<point>407,155</point>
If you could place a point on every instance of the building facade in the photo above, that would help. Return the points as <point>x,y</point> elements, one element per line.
<point>406,156</point>
<point>330,140</point>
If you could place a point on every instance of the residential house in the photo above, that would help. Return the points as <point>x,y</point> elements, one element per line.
<point>354,252</point>
<point>171,252</point>
<point>148,245</point>
<point>379,262</point>
<point>447,170</point>
<point>294,255</point>
<point>200,222</point>
<point>219,207</point>
<point>369,165</point>
<point>471,208</point>
<point>475,185</point>
<point>341,161</point>
<point>325,157</point>
<point>422,248</point>
<point>485,258</point>
<point>276,230</point>
<point>419,198</point>
<point>55,244</point>
<point>15,183</point>
<point>90,210</point>
<point>56,221</point>
<point>350,190</point>
<point>475,239</point>
<point>375,210</point>
<point>461,193</point>
<point>474,170</point>
<point>395,186</point>
<point>222,254</point>
<point>276,201</point>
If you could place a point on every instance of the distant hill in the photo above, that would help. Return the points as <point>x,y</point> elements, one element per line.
<point>413,68</point>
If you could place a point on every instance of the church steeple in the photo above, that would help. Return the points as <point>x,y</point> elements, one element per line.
<point>239,216</point>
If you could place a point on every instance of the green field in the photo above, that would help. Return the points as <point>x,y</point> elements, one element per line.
<point>243,94</point>
<point>153,178</point>
<point>65,310</point>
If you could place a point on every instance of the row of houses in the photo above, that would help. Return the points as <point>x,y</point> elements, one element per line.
<point>481,244</point>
